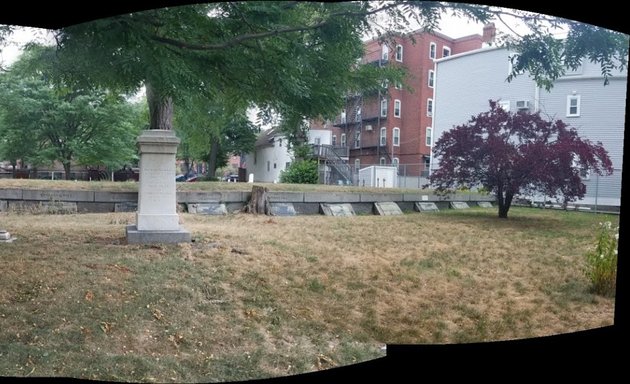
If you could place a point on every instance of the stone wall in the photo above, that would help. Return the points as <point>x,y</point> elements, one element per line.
<point>305,202</point>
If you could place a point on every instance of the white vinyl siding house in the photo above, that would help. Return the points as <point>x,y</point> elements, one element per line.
<point>467,81</point>
<point>272,154</point>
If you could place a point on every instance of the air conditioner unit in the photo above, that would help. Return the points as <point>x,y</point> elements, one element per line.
<point>522,104</point>
<point>368,127</point>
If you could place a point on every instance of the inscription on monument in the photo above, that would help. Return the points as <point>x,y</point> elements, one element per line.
<point>208,209</point>
<point>282,209</point>
<point>387,208</point>
<point>337,209</point>
<point>426,207</point>
<point>459,205</point>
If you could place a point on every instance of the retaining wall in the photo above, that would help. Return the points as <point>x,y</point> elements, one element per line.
<point>304,202</point>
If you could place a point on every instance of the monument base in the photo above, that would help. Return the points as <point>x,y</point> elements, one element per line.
<point>134,236</point>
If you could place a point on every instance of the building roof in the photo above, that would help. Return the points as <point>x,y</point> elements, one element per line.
<point>267,137</point>
<point>421,31</point>
<point>468,53</point>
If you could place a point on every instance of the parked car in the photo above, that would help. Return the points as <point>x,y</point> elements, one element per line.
<point>231,178</point>
<point>188,178</point>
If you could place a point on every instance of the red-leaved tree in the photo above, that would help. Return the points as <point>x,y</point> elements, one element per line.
<point>514,153</point>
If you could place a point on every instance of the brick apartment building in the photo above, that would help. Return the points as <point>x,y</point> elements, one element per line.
<point>393,126</point>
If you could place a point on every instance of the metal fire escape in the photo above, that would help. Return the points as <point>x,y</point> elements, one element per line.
<point>351,124</point>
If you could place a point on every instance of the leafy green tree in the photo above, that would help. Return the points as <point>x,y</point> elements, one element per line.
<point>301,172</point>
<point>289,56</point>
<point>211,130</point>
<point>42,123</point>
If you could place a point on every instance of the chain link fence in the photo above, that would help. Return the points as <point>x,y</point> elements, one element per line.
<point>601,191</point>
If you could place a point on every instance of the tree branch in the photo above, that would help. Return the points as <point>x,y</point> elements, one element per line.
<point>260,35</point>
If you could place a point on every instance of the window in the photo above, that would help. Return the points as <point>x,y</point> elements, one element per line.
<point>431,80</point>
<point>381,161</point>
<point>274,165</point>
<point>357,165</point>
<point>268,165</point>
<point>334,140</point>
<point>396,108</point>
<point>357,139</point>
<point>396,137</point>
<point>280,143</point>
<point>343,139</point>
<point>398,85</point>
<point>429,107</point>
<point>287,165</point>
<point>383,136</point>
<point>427,165</point>
<point>395,162</point>
<point>318,140</point>
<point>446,51</point>
<point>429,139</point>
<point>399,53</point>
<point>384,108</point>
<point>385,53</point>
<point>504,104</point>
<point>343,116</point>
<point>573,105</point>
<point>432,50</point>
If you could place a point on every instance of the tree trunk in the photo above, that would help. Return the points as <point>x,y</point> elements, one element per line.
<point>186,166</point>
<point>66,169</point>
<point>259,202</point>
<point>212,159</point>
<point>504,207</point>
<point>160,109</point>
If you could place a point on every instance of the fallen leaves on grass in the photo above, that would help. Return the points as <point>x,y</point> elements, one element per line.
<point>106,327</point>
<point>157,314</point>
<point>324,362</point>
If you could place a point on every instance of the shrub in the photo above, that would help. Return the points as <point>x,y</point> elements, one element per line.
<point>301,172</point>
<point>601,263</point>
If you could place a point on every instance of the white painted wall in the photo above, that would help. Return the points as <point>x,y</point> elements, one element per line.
<point>268,161</point>
<point>324,136</point>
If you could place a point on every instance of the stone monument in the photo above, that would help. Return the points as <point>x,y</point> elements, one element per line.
<point>156,219</point>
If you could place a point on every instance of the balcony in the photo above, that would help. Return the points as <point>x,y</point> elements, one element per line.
<point>353,120</point>
<point>370,141</point>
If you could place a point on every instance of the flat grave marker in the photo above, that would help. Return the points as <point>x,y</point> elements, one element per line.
<point>459,205</point>
<point>426,207</point>
<point>387,208</point>
<point>337,209</point>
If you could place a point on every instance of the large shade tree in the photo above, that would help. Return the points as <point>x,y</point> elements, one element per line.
<point>42,123</point>
<point>510,153</point>
<point>213,129</point>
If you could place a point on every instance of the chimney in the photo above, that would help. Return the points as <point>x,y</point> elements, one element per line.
<point>489,32</point>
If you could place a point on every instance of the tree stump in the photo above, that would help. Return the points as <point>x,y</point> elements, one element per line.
<point>259,201</point>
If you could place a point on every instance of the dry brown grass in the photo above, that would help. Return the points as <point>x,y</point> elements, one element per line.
<point>258,296</point>
<point>196,186</point>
